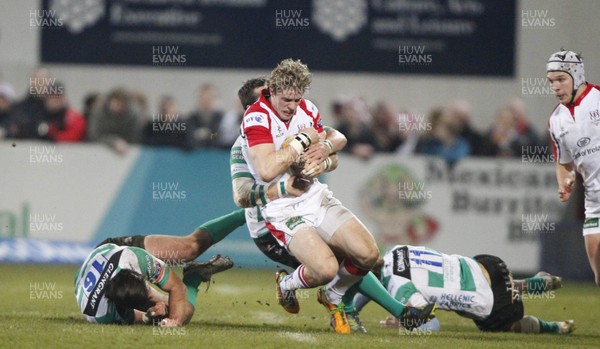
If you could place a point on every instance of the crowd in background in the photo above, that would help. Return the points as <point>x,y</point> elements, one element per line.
<point>123,117</point>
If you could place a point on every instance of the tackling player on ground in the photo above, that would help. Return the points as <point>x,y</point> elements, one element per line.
<point>112,286</point>
<point>480,288</point>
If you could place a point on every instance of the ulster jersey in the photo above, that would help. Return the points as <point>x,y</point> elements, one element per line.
<point>576,134</point>
<point>262,125</point>
<point>102,265</point>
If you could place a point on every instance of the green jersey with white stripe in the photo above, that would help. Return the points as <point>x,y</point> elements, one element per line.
<point>103,264</point>
<point>239,169</point>
<point>453,282</point>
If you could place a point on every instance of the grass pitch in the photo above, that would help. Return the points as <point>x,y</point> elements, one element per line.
<point>240,310</point>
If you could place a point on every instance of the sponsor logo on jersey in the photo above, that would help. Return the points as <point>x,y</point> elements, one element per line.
<point>595,116</point>
<point>158,271</point>
<point>256,119</point>
<point>456,301</point>
<point>582,142</point>
<point>401,264</point>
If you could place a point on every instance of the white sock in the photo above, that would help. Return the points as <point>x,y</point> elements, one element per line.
<point>294,281</point>
<point>348,275</point>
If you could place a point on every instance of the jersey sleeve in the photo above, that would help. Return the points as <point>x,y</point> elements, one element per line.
<point>237,163</point>
<point>256,127</point>
<point>561,154</point>
<point>152,269</point>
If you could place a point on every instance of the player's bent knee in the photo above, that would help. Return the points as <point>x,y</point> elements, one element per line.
<point>368,259</point>
<point>326,272</point>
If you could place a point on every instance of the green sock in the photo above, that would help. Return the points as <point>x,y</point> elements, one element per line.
<point>191,282</point>
<point>372,288</point>
<point>348,299</point>
<point>535,285</point>
<point>220,227</point>
<point>548,326</point>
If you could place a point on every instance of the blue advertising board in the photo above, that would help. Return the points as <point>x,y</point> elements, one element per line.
<point>456,37</point>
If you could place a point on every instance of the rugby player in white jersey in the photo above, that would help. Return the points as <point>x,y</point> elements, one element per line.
<point>276,131</point>
<point>480,288</point>
<point>246,193</point>
<point>575,129</point>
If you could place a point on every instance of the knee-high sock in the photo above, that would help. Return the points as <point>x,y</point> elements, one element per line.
<point>372,288</point>
<point>348,274</point>
<point>220,227</point>
<point>191,282</point>
<point>294,281</point>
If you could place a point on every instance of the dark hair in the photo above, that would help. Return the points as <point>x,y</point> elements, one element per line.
<point>246,92</point>
<point>128,289</point>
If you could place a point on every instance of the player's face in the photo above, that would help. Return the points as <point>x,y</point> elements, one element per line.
<point>285,102</point>
<point>562,85</point>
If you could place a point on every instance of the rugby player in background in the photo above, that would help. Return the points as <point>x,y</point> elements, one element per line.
<point>573,127</point>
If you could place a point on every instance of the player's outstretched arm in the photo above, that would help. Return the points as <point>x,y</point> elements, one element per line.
<point>565,175</point>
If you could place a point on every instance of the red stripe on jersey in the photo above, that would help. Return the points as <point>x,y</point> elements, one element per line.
<point>277,234</point>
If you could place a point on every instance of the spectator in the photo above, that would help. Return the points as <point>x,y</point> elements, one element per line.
<point>118,123</point>
<point>167,127</point>
<point>204,121</point>
<point>410,131</point>
<point>229,128</point>
<point>61,122</point>
<point>526,134</point>
<point>460,111</point>
<point>28,113</point>
<point>445,140</point>
<point>361,140</point>
<point>7,99</point>
<point>92,102</point>
<point>385,127</point>
<point>504,134</point>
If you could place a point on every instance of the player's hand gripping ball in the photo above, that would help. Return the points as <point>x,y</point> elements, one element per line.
<point>300,182</point>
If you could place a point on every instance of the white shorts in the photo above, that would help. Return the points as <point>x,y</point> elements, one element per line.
<point>325,216</point>
<point>255,222</point>
<point>591,226</point>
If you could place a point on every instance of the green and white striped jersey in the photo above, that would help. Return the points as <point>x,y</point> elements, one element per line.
<point>103,264</point>
<point>239,169</point>
<point>453,282</point>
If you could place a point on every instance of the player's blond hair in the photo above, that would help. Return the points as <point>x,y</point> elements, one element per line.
<point>290,74</point>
